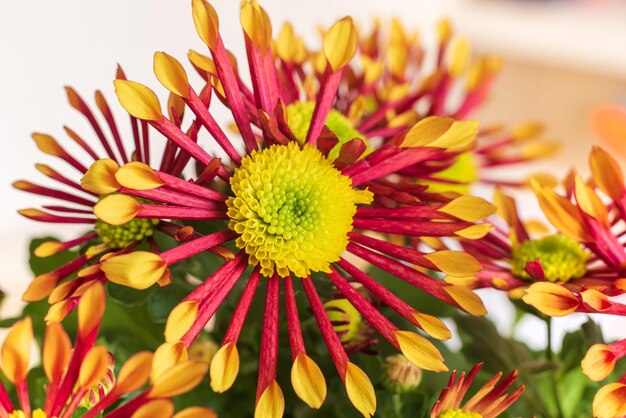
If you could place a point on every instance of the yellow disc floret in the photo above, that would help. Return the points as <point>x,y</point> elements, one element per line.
<point>292,209</point>
<point>562,258</point>
<point>121,236</point>
<point>458,413</point>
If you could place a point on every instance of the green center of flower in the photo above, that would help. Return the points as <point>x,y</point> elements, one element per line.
<point>562,258</point>
<point>457,413</point>
<point>120,236</point>
<point>464,171</point>
<point>300,114</point>
<point>292,209</point>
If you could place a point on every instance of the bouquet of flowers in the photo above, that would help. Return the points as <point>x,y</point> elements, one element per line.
<point>310,254</point>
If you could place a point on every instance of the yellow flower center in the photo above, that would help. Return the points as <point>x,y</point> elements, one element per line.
<point>300,114</point>
<point>464,170</point>
<point>120,236</point>
<point>457,413</point>
<point>292,209</point>
<point>562,258</point>
<point>37,413</point>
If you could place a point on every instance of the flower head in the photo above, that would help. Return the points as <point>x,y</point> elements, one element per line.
<point>86,185</point>
<point>80,377</point>
<point>577,268</point>
<point>489,402</point>
<point>397,81</point>
<point>301,197</point>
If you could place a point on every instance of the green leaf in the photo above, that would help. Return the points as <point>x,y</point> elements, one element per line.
<point>40,265</point>
<point>161,300</point>
<point>126,295</point>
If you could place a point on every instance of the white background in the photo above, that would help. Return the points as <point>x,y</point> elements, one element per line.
<point>45,45</point>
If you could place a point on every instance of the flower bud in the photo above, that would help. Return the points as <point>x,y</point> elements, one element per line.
<point>400,375</point>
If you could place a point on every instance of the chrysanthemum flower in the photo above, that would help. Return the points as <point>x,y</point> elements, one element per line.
<point>489,402</point>
<point>78,204</point>
<point>398,81</point>
<point>574,270</point>
<point>73,372</point>
<point>299,199</point>
<point>577,269</point>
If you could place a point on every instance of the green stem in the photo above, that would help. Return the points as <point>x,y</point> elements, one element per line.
<point>397,405</point>
<point>550,357</point>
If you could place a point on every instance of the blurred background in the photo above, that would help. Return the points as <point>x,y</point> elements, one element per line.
<point>564,61</point>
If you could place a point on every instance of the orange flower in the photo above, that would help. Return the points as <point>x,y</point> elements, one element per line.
<point>75,372</point>
<point>488,402</point>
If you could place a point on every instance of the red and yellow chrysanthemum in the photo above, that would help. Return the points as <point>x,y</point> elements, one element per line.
<point>304,195</point>
<point>578,269</point>
<point>79,198</point>
<point>488,402</point>
<point>396,81</point>
<point>574,270</point>
<point>80,378</point>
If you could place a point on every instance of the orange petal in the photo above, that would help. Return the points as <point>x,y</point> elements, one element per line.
<point>308,381</point>
<point>91,309</point>
<point>160,408</point>
<point>551,299</point>
<point>271,403</point>
<point>100,177</point>
<point>138,100</point>
<point>15,352</point>
<point>180,320</point>
<point>179,379</point>
<point>167,356</point>
<point>93,367</point>
<point>138,176</point>
<point>606,173</point>
<point>599,362</point>
<point>466,299</point>
<point>469,208</point>
<point>206,21</point>
<point>48,145</point>
<point>117,209</point>
<point>432,326</point>
<point>196,412</point>
<point>57,349</point>
<point>454,263</point>
<point>139,270</point>
<point>610,401</point>
<point>360,390</point>
<point>224,367</point>
<point>134,373</point>
<point>419,351</point>
<point>41,287</point>
<point>171,74</point>
<point>340,43</point>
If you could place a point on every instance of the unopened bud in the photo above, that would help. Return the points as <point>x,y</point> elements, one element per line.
<point>400,375</point>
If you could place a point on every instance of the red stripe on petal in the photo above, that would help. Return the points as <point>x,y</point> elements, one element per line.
<point>293,319</point>
<point>196,246</point>
<point>239,316</point>
<point>269,341</point>
<point>335,349</point>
